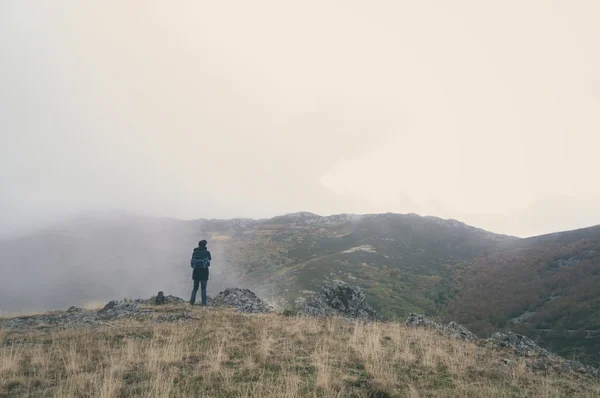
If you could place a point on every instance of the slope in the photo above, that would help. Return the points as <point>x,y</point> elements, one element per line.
<point>545,287</point>
<point>402,261</point>
<point>222,353</point>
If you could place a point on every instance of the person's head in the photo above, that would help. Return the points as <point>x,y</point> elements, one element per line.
<point>202,243</point>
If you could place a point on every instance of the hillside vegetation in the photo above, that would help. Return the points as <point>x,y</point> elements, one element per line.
<point>403,262</point>
<point>548,291</point>
<point>221,353</point>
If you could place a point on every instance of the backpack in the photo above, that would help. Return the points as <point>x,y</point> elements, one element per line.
<point>201,263</point>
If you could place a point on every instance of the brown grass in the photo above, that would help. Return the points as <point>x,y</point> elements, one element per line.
<point>221,353</point>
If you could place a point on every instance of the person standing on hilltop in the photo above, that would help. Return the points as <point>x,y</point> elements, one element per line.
<point>200,263</point>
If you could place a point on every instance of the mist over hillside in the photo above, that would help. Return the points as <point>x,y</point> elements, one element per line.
<point>100,256</point>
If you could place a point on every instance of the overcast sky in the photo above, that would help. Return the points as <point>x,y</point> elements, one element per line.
<point>483,111</point>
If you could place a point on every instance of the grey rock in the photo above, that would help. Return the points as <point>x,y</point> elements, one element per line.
<point>115,310</point>
<point>522,345</point>
<point>452,329</point>
<point>542,359</point>
<point>574,366</point>
<point>459,332</point>
<point>312,307</point>
<point>336,298</point>
<point>140,309</point>
<point>419,320</point>
<point>578,367</point>
<point>160,298</point>
<point>55,320</point>
<point>243,300</point>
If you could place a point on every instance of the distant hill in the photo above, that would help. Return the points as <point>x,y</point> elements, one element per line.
<point>402,261</point>
<point>546,287</point>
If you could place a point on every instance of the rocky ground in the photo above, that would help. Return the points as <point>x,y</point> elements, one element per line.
<point>336,298</point>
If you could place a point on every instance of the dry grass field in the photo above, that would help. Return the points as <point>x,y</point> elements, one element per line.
<point>222,353</point>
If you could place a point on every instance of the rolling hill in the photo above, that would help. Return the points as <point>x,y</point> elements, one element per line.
<point>546,287</point>
<point>402,261</point>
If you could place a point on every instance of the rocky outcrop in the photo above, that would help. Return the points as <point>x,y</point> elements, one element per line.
<point>452,329</point>
<point>336,298</point>
<point>458,331</point>
<point>522,345</point>
<point>75,317</point>
<point>243,300</point>
<point>418,320</point>
<point>543,360</point>
<point>537,358</point>
<point>121,309</point>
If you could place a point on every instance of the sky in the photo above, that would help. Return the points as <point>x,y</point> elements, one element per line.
<point>483,111</point>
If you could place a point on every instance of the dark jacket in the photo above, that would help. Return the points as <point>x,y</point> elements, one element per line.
<point>200,262</point>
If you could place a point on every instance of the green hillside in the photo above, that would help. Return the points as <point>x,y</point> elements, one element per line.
<point>403,262</point>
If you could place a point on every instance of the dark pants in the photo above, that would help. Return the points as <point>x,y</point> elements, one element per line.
<point>203,293</point>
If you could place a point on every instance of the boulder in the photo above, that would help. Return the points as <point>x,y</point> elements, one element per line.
<point>243,300</point>
<point>459,332</point>
<point>522,345</point>
<point>336,298</point>
<point>119,309</point>
<point>419,320</point>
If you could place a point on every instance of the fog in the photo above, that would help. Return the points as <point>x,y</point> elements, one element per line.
<point>482,111</point>
<point>98,257</point>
